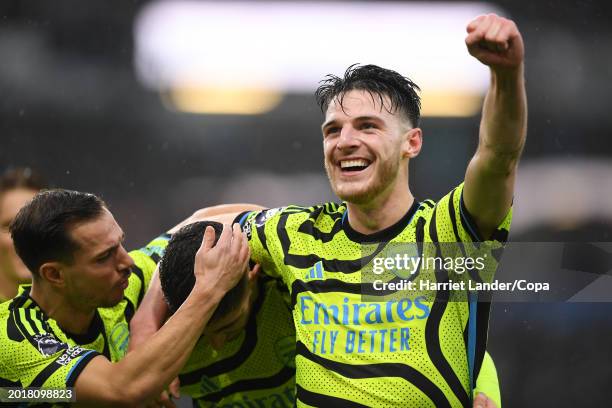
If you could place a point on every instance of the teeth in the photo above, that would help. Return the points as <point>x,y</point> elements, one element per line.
<point>353,163</point>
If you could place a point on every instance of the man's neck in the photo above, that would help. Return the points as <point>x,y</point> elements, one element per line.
<point>381,213</point>
<point>8,287</point>
<point>55,306</point>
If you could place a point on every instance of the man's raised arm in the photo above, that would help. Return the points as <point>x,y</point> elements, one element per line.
<point>489,180</point>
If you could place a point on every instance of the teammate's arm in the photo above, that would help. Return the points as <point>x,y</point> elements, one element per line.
<point>143,373</point>
<point>489,179</point>
<point>222,213</point>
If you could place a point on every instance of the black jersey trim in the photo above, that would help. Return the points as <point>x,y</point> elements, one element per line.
<point>308,226</point>
<point>79,366</point>
<point>252,384</point>
<point>385,235</point>
<point>359,371</point>
<point>468,221</point>
<point>45,373</point>
<point>234,361</point>
<point>140,274</point>
<point>432,328</point>
<point>483,312</point>
<point>94,330</point>
<point>6,383</point>
<point>319,400</point>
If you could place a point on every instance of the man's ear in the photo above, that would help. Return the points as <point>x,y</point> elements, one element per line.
<point>52,272</point>
<point>254,273</point>
<point>413,141</point>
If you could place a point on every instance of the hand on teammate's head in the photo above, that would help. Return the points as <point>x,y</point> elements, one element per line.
<point>222,266</point>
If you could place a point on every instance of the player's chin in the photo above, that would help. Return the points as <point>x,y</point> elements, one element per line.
<point>352,192</point>
<point>113,298</point>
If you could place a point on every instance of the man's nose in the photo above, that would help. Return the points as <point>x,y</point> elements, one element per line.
<point>349,138</point>
<point>125,260</point>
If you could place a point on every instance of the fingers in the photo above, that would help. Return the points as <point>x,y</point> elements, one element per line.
<point>486,30</point>
<point>165,401</point>
<point>209,238</point>
<point>225,239</point>
<point>175,388</point>
<point>254,273</point>
<point>480,401</point>
<point>237,239</point>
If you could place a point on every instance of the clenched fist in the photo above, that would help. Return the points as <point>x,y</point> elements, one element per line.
<point>495,41</point>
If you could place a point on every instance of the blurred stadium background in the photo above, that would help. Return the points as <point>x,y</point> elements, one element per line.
<point>162,107</point>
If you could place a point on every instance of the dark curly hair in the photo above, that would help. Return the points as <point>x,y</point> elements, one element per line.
<point>176,269</point>
<point>378,82</point>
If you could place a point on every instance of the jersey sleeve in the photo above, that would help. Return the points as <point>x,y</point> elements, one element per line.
<point>145,262</point>
<point>261,228</point>
<point>455,224</point>
<point>487,381</point>
<point>31,356</point>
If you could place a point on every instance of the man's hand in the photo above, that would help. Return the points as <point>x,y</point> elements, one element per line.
<point>495,41</point>
<point>221,267</point>
<point>482,401</point>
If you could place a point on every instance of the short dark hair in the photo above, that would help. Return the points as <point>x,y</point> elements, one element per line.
<point>21,177</point>
<point>40,231</point>
<point>378,82</point>
<point>176,269</point>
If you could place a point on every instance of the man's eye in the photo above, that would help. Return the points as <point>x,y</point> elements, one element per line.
<point>332,130</point>
<point>103,257</point>
<point>368,125</point>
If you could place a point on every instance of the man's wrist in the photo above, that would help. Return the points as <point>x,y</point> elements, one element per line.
<point>508,76</point>
<point>207,291</point>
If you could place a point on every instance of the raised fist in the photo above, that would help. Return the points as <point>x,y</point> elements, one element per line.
<point>495,41</point>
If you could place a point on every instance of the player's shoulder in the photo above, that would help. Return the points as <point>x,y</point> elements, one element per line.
<point>23,324</point>
<point>292,214</point>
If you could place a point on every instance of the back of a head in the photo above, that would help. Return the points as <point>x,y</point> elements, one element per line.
<point>379,83</point>
<point>176,269</point>
<point>40,231</point>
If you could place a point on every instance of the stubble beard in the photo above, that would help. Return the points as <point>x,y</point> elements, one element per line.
<point>369,190</point>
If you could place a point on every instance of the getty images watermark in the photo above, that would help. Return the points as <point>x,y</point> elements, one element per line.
<point>514,272</point>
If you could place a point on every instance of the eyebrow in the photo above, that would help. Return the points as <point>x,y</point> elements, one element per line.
<point>111,248</point>
<point>357,119</point>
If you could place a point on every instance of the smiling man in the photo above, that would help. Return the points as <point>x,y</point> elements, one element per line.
<point>354,347</point>
<point>355,350</point>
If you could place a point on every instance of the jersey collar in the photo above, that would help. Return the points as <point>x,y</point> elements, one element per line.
<point>384,235</point>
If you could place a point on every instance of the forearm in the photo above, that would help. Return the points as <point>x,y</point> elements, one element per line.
<point>503,126</point>
<point>150,315</point>
<point>224,213</point>
<point>171,346</point>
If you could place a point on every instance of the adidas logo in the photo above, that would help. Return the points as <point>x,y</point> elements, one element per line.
<point>316,272</point>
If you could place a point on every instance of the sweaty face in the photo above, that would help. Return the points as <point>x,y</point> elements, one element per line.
<point>362,144</point>
<point>10,203</point>
<point>99,272</point>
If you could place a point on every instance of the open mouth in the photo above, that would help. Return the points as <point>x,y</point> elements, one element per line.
<point>354,165</point>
